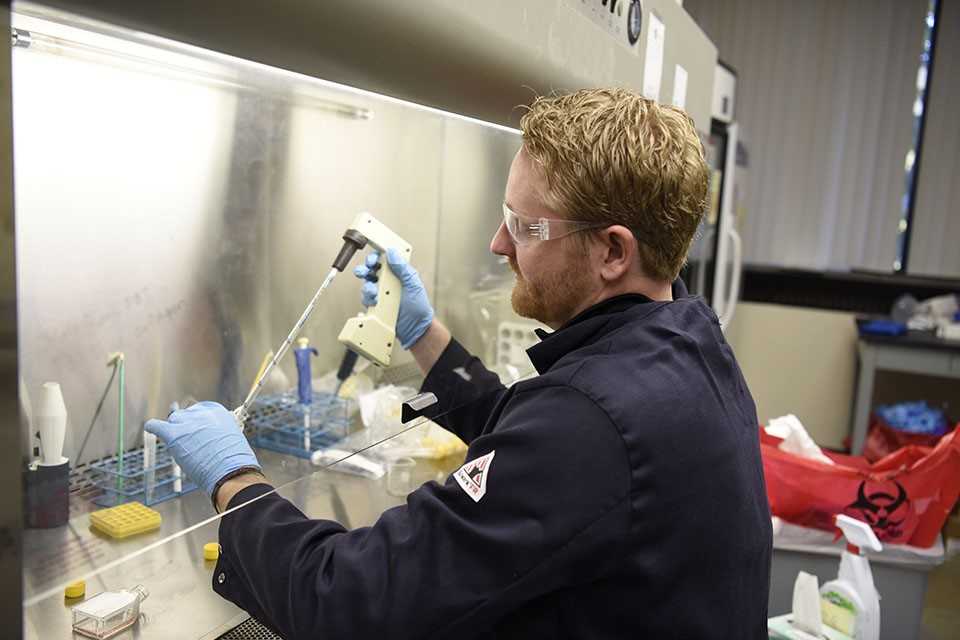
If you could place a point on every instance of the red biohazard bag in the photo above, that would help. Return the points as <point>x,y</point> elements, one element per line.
<point>905,497</point>
<point>883,439</point>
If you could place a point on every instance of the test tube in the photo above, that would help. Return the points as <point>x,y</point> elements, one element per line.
<point>306,428</point>
<point>149,466</point>
<point>175,469</point>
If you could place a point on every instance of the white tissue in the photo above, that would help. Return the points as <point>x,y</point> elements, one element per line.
<point>796,440</point>
<point>806,604</point>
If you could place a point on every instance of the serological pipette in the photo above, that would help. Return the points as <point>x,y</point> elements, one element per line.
<point>352,242</point>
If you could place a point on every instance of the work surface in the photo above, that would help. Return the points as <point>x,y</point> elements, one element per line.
<point>913,339</point>
<point>181,605</point>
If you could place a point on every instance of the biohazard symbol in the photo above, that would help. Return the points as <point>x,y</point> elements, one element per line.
<point>883,511</point>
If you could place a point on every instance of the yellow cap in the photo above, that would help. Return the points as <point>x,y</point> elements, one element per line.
<point>211,551</point>
<point>75,589</point>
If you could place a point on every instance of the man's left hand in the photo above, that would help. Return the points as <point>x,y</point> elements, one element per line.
<point>206,442</point>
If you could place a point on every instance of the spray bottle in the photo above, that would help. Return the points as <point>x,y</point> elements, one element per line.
<point>851,603</point>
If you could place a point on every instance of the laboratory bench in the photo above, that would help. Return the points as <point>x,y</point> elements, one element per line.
<point>182,604</point>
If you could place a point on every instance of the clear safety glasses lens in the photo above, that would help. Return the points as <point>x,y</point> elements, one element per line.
<point>523,229</point>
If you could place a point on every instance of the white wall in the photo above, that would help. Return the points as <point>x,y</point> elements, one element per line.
<point>800,361</point>
<point>804,361</point>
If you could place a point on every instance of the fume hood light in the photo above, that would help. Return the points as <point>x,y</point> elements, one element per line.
<point>123,53</point>
<point>28,16</point>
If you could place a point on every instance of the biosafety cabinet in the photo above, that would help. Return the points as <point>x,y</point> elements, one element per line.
<point>180,176</point>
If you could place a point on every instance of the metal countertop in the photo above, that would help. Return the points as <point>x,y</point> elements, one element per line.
<point>182,604</point>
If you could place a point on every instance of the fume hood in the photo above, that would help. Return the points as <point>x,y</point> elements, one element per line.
<point>183,173</point>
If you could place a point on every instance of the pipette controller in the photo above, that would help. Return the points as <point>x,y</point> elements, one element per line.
<point>371,333</point>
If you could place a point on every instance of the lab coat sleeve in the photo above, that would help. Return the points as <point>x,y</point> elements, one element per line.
<point>466,392</point>
<point>555,513</point>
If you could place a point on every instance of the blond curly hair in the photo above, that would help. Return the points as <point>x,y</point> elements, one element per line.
<point>610,155</point>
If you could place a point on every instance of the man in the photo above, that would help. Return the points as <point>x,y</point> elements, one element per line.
<point>619,494</point>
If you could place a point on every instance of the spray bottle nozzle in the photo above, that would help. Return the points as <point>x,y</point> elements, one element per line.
<point>352,242</point>
<point>858,534</point>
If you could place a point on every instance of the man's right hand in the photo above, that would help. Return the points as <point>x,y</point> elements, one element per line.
<point>416,314</point>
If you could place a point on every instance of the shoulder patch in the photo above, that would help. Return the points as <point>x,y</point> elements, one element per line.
<point>472,476</point>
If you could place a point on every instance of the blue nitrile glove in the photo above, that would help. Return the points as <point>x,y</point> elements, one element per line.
<point>415,313</point>
<point>206,442</point>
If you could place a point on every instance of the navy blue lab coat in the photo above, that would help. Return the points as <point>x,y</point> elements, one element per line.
<point>624,499</point>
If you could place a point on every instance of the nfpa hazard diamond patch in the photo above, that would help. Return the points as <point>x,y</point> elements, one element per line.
<point>472,477</point>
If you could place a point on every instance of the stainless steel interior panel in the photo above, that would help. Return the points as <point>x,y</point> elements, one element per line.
<point>473,285</point>
<point>125,232</point>
<point>387,164</point>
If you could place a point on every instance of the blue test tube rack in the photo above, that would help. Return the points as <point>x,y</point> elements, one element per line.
<point>127,483</point>
<point>276,422</point>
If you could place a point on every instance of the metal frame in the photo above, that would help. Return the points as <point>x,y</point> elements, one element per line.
<point>11,588</point>
<point>913,176</point>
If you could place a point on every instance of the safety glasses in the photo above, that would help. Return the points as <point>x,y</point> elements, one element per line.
<point>525,229</point>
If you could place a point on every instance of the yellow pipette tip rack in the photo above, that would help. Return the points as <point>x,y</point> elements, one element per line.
<point>125,520</point>
<point>75,589</point>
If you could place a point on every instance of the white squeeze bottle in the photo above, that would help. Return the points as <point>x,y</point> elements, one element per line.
<point>851,603</point>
